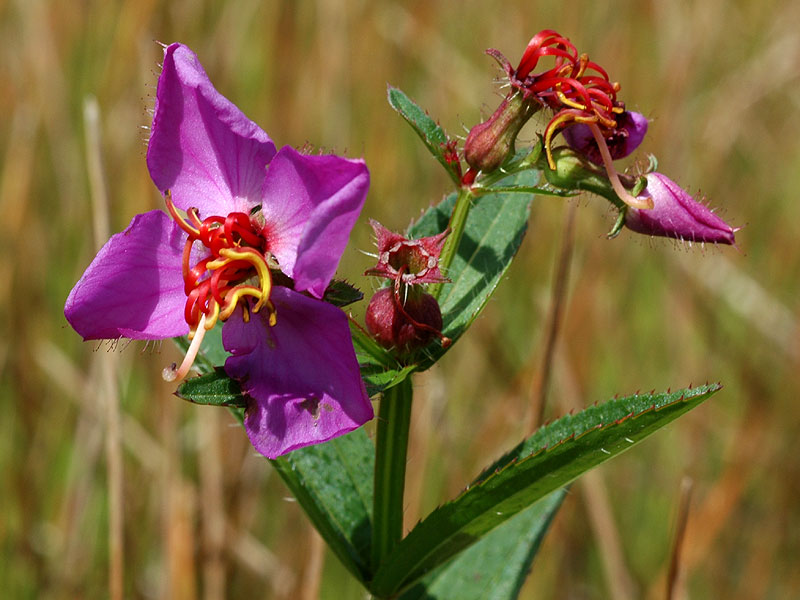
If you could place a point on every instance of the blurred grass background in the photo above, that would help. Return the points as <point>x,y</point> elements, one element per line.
<point>202,516</point>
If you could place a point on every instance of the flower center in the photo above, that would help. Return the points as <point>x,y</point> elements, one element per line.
<point>410,258</point>
<point>235,267</point>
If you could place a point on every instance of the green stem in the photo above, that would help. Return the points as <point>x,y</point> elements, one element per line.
<point>394,419</point>
<point>458,220</point>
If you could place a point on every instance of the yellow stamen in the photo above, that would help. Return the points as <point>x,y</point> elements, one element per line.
<point>564,100</point>
<point>551,130</point>
<point>233,296</point>
<point>261,293</point>
<point>255,258</point>
<point>177,216</point>
<point>583,62</point>
<point>211,319</point>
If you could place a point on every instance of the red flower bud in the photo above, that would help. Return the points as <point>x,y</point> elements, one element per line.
<point>404,325</point>
<point>403,317</point>
<point>489,143</point>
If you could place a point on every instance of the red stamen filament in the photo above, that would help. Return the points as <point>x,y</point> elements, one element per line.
<point>217,284</point>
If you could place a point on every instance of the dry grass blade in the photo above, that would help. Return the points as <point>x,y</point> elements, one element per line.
<point>106,387</point>
<point>541,381</point>
<point>675,581</point>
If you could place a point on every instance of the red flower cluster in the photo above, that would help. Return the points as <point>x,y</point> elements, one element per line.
<point>577,89</point>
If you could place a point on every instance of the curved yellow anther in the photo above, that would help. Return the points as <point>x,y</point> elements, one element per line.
<point>233,297</point>
<point>571,103</point>
<point>550,131</point>
<point>583,61</point>
<point>179,219</point>
<point>211,319</point>
<point>255,258</point>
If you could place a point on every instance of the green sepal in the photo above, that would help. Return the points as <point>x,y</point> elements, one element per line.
<point>430,132</point>
<point>380,370</point>
<point>341,294</point>
<point>551,458</point>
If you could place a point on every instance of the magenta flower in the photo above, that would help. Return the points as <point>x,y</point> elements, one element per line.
<point>621,141</point>
<point>252,237</point>
<point>677,215</point>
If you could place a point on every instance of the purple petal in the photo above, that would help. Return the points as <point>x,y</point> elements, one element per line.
<point>202,147</point>
<point>310,205</point>
<point>301,375</point>
<point>677,215</point>
<point>631,129</point>
<point>134,286</point>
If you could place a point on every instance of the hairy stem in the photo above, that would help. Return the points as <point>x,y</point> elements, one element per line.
<point>458,221</point>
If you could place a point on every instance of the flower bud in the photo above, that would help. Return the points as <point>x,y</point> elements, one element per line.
<point>489,143</point>
<point>676,214</point>
<point>404,325</point>
<point>624,139</point>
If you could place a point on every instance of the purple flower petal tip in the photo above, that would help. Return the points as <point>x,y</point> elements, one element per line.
<point>301,374</point>
<point>676,214</point>
<point>202,147</point>
<point>310,206</point>
<point>631,129</point>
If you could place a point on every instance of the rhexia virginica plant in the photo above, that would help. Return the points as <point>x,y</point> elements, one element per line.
<point>260,228</point>
<point>250,242</point>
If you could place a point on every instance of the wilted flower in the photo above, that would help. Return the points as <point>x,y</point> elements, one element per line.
<point>405,317</point>
<point>252,237</point>
<point>677,215</point>
<point>581,95</point>
<point>621,141</point>
<point>414,262</point>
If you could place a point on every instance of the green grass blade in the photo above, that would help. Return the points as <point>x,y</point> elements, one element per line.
<point>548,460</point>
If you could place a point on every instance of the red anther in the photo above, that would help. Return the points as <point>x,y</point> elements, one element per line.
<point>214,284</point>
<point>191,313</point>
<point>185,268</point>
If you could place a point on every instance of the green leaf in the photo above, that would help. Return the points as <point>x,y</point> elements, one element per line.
<point>379,369</point>
<point>427,129</point>
<point>495,567</point>
<point>495,227</point>
<point>341,294</point>
<point>333,483</point>
<point>548,460</point>
<point>214,388</point>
